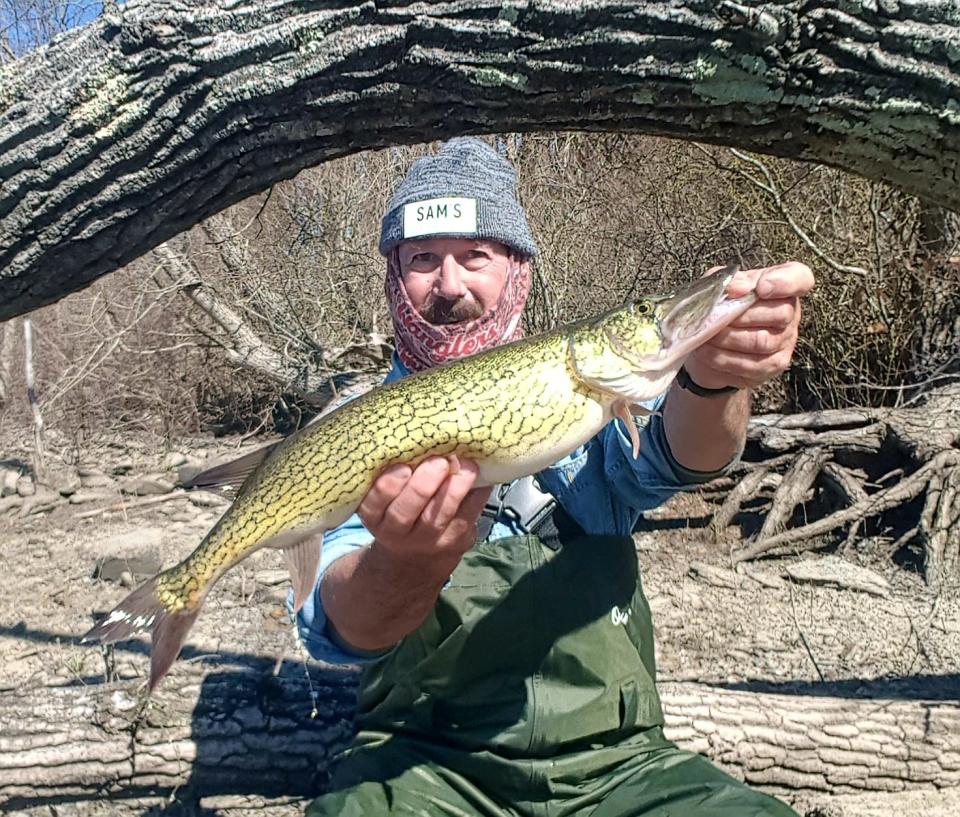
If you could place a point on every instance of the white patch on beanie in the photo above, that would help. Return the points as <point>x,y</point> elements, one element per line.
<point>442,216</point>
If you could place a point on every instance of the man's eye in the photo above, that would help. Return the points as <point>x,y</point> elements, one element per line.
<point>476,259</point>
<point>424,261</point>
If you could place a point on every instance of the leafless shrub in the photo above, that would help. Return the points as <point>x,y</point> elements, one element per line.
<point>26,23</point>
<point>884,291</point>
<point>615,216</point>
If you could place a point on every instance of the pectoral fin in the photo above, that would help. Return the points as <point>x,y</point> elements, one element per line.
<point>622,410</point>
<point>454,464</point>
<point>626,412</point>
<point>303,559</point>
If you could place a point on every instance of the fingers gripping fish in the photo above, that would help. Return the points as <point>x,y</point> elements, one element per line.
<point>514,410</point>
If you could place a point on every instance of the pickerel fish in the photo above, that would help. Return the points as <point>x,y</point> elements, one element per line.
<point>514,410</point>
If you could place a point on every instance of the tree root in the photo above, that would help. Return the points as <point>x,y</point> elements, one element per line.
<point>793,489</point>
<point>833,464</point>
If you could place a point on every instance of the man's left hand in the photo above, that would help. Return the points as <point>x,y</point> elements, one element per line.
<point>759,345</point>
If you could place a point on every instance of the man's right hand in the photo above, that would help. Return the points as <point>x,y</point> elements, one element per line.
<point>423,520</point>
<point>424,516</point>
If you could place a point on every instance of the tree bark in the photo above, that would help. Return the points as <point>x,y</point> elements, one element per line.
<point>250,733</point>
<point>121,134</point>
<point>818,743</point>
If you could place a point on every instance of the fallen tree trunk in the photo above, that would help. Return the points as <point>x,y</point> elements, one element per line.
<point>253,734</point>
<point>818,743</point>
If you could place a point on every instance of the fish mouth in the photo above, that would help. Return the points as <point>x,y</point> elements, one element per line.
<point>693,316</point>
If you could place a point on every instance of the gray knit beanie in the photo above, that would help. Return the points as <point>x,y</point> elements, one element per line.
<point>466,190</point>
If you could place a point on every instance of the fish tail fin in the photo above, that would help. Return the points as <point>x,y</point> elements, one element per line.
<point>144,611</point>
<point>168,637</point>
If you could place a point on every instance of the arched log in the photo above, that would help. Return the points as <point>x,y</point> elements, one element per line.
<point>122,134</point>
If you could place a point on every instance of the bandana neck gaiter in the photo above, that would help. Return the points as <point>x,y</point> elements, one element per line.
<point>422,345</point>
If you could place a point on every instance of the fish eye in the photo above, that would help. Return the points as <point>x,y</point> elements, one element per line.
<point>643,307</point>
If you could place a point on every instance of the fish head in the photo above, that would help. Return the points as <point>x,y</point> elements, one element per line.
<point>634,352</point>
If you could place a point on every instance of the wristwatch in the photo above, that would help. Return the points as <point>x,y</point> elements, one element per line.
<point>686,382</point>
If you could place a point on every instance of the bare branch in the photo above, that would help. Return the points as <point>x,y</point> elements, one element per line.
<point>769,187</point>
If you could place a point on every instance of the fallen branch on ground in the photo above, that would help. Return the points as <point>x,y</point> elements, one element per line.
<point>255,734</point>
<point>124,505</point>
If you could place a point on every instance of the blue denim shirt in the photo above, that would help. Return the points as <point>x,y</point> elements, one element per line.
<point>600,485</point>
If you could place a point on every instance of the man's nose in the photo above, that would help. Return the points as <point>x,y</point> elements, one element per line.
<point>450,283</point>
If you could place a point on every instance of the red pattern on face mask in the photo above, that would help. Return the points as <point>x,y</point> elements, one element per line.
<point>422,345</point>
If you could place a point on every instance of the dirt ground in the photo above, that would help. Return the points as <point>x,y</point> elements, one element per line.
<point>767,635</point>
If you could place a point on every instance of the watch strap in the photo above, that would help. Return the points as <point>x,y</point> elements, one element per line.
<point>687,382</point>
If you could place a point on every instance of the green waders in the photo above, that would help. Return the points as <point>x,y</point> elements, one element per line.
<point>529,690</point>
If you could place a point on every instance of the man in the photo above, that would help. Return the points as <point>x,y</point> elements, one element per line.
<point>507,641</point>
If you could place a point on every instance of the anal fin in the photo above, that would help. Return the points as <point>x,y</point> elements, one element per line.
<point>303,559</point>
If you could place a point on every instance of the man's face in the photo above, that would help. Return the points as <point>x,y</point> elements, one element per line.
<point>450,280</point>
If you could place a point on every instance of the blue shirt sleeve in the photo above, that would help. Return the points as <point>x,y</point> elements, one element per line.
<point>311,621</point>
<point>652,478</point>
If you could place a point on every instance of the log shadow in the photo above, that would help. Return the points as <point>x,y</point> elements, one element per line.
<point>248,732</point>
<point>255,738</point>
<point>645,525</point>
<point>899,687</point>
<point>140,645</point>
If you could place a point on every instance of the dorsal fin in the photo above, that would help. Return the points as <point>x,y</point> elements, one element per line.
<point>231,474</point>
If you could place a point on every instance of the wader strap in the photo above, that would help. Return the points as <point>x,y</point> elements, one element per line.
<point>522,504</point>
<point>557,528</point>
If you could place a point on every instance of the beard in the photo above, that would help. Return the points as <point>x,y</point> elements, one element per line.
<point>441,312</point>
